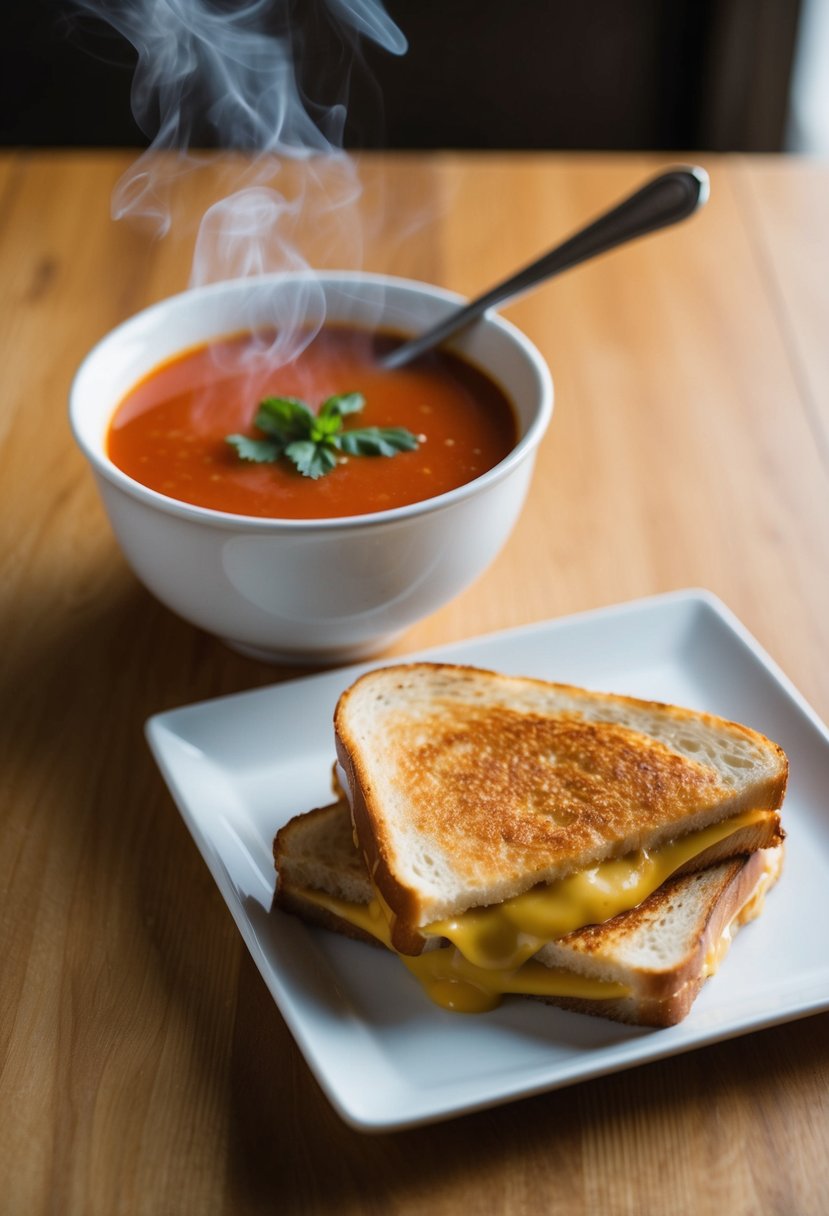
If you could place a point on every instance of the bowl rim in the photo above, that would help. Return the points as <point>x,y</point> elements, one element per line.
<point>105,467</point>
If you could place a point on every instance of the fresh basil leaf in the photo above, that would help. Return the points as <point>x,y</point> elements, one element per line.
<point>284,418</point>
<point>312,441</point>
<point>326,427</point>
<point>312,459</point>
<point>342,404</point>
<point>377,441</point>
<point>261,451</point>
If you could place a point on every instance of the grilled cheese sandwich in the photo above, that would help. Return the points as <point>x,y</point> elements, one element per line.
<point>501,813</point>
<point>495,831</point>
<point>576,974</point>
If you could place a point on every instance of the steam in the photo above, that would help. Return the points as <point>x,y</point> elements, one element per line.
<point>228,75</point>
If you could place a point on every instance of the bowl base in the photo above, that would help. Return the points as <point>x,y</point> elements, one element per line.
<point>319,657</point>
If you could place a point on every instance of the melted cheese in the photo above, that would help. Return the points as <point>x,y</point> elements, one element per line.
<point>367,917</point>
<point>454,983</point>
<point>492,948</point>
<point>504,935</point>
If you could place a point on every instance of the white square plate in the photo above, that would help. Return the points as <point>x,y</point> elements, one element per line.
<point>239,767</point>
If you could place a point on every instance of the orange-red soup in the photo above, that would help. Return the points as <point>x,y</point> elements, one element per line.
<point>169,431</point>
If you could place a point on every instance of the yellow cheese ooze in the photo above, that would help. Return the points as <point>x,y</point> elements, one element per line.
<point>492,947</point>
<point>505,935</point>
<point>453,983</point>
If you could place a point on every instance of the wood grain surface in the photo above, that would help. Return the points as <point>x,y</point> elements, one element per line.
<point>145,1068</point>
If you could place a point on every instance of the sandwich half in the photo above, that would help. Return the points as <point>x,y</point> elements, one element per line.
<point>644,966</point>
<point>502,814</point>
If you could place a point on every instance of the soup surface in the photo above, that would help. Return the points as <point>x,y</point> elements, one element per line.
<point>170,431</point>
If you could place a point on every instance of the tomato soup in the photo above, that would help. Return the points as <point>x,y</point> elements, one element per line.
<point>169,432</point>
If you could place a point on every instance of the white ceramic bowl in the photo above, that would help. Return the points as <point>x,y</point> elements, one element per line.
<point>308,590</point>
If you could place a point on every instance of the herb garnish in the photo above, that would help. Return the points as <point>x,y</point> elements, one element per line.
<point>314,442</point>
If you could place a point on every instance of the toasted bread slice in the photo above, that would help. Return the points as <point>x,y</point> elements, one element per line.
<point>660,953</point>
<point>316,852</point>
<point>468,788</point>
<point>666,948</point>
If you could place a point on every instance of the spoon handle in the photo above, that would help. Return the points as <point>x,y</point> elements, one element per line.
<point>664,200</point>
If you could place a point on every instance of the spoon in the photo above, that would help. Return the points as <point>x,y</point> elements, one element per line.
<point>664,200</point>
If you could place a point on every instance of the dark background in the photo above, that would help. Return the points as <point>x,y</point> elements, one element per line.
<point>588,74</point>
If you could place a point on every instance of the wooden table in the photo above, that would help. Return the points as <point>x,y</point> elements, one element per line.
<point>145,1068</point>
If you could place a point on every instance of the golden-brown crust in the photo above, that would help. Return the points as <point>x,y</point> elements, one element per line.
<point>657,1015</point>
<point>402,906</point>
<point>555,783</point>
<point>488,792</point>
